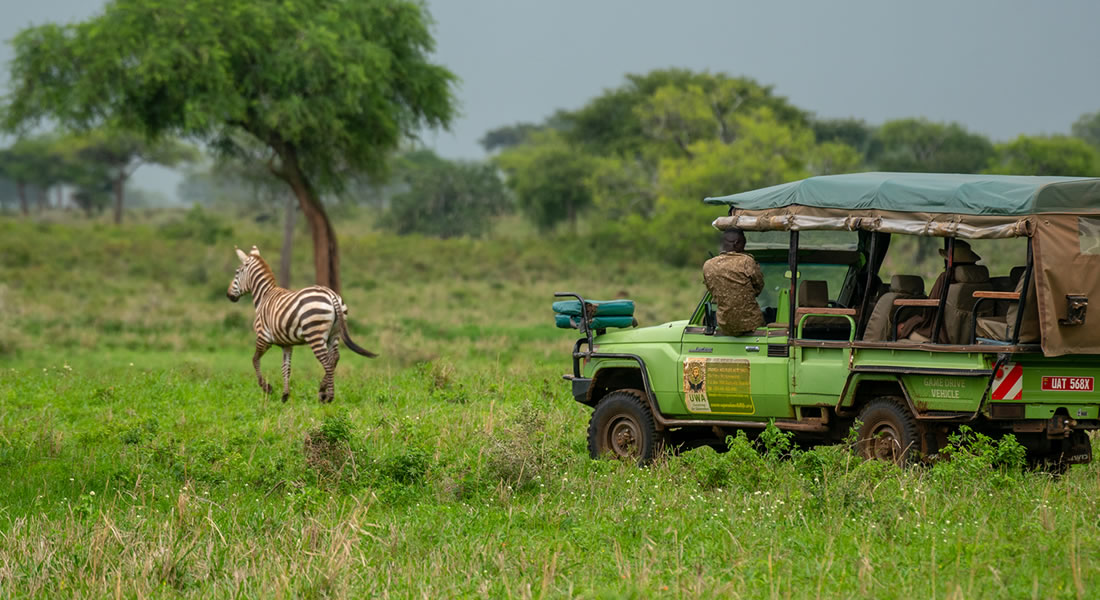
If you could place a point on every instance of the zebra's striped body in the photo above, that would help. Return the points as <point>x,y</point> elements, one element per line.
<point>315,315</point>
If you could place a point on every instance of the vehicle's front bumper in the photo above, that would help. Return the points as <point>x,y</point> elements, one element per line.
<point>580,387</point>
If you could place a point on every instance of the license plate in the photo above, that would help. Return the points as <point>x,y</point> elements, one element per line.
<point>1067,384</point>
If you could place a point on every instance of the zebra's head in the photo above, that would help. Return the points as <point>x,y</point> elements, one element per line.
<point>242,279</point>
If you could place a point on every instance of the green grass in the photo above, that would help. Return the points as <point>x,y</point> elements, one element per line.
<point>139,458</point>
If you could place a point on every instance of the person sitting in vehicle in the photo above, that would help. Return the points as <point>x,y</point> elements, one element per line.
<point>734,281</point>
<point>919,327</point>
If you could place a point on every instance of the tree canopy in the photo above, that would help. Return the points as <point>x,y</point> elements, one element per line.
<point>1053,155</point>
<point>920,145</point>
<point>549,179</point>
<point>1087,128</point>
<point>658,144</point>
<point>327,88</point>
<point>444,198</point>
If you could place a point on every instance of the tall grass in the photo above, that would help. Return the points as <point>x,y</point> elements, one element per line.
<point>138,458</point>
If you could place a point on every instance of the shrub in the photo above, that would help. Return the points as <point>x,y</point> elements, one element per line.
<point>327,449</point>
<point>197,225</point>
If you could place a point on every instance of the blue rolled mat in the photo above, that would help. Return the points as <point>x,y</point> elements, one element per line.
<point>571,322</point>
<point>604,308</point>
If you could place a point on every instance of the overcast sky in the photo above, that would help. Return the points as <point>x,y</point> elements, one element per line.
<point>1001,68</point>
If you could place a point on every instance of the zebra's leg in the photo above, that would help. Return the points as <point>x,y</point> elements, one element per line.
<point>334,356</point>
<point>261,348</point>
<point>286,371</point>
<point>320,350</point>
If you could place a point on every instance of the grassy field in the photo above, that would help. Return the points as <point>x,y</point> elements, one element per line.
<point>138,457</point>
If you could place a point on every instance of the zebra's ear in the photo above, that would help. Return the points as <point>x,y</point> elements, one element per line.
<point>241,255</point>
<point>255,251</point>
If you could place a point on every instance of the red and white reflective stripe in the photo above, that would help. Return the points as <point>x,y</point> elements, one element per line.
<point>1009,382</point>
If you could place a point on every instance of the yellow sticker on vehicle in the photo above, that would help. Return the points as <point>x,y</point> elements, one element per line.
<point>717,385</point>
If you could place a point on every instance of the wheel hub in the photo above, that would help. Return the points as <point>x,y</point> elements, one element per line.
<point>623,436</point>
<point>885,444</point>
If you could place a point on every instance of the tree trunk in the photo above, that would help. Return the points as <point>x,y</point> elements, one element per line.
<point>43,199</point>
<point>119,185</point>
<point>22,190</point>
<point>326,256</point>
<point>288,241</point>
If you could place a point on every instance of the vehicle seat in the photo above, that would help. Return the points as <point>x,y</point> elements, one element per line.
<point>999,327</point>
<point>1005,283</point>
<point>960,301</point>
<point>1016,274</point>
<point>901,286</point>
<point>814,293</point>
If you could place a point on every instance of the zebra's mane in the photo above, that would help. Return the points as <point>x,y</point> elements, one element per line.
<point>264,271</point>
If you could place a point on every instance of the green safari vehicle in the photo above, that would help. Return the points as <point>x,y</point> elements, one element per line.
<point>1010,352</point>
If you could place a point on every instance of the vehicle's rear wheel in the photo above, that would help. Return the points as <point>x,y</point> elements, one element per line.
<point>888,431</point>
<point>1057,461</point>
<point>622,427</point>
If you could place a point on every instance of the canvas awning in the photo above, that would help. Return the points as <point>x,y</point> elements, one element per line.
<point>935,204</point>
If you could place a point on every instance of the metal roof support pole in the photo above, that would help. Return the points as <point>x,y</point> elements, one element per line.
<point>792,262</point>
<point>949,243</point>
<point>866,304</point>
<point>1022,304</point>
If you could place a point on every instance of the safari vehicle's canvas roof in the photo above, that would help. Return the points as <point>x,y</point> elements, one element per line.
<point>937,193</point>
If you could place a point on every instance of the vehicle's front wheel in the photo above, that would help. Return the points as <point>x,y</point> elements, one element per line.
<point>888,431</point>
<point>622,427</point>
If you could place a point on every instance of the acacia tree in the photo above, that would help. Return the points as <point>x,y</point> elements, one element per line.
<point>327,88</point>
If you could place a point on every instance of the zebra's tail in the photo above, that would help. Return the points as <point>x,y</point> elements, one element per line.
<point>342,323</point>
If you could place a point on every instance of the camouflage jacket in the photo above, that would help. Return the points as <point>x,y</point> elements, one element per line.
<point>735,280</point>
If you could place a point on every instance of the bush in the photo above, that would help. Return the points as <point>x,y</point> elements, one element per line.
<point>448,199</point>
<point>327,449</point>
<point>198,225</point>
<point>969,452</point>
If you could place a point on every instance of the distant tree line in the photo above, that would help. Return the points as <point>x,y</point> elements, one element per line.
<point>331,116</point>
<point>94,166</point>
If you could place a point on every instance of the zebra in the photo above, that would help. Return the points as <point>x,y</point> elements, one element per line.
<point>314,315</point>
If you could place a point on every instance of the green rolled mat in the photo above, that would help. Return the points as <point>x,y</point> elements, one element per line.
<point>604,308</point>
<point>572,322</point>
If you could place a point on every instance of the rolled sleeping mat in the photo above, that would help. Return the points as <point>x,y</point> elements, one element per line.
<point>602,308</point>
<point>572,322</point>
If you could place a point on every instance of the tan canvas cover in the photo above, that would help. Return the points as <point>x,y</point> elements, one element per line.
<point>1067,262</point>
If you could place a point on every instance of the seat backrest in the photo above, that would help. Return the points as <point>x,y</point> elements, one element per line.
<point>813,293</point>
<point>1029,327</point>
<point>1005,283</point>
<point>901,286</point>
<point>1016,274</point>
<point>1002,284</point>
<point>907,284</point>
<point>960,301</point>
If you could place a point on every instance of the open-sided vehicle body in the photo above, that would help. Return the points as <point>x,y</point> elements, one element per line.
<point>1009,354</point>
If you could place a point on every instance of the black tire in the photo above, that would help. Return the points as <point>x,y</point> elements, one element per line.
<point>888,432</point>
<point>622,427</point>
<point>1049,464</point>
